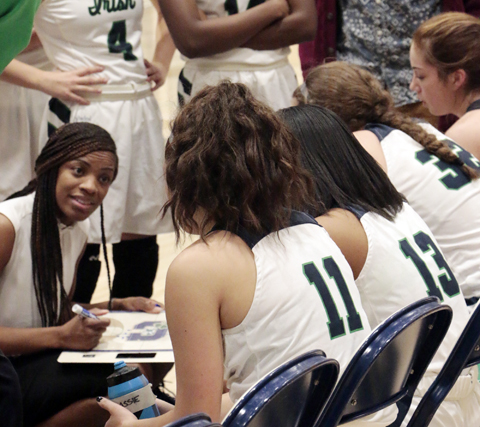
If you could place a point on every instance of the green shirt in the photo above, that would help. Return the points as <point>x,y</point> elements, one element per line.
<point>16,22</point>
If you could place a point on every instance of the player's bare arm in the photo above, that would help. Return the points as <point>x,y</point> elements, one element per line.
<point>157,68</point>
<point>372,144</point>
<point>298,26</point>
<point>465,132</point>
<point>196,37</point>
<point>65,85</point>
<point>347,232</point>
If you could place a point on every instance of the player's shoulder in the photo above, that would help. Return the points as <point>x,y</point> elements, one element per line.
<point>217,257</point>
<point>346,230</point>
<point>465,132</point>
<point>371,142</point>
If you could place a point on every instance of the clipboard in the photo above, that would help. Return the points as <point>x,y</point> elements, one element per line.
<point>135,337</point>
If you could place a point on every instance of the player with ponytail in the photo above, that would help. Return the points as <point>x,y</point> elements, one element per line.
<point>438,177</point>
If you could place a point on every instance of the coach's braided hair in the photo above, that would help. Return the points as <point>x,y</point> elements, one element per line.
<point>231,156</point>
<point>69,142</point>
<point>359,98</point>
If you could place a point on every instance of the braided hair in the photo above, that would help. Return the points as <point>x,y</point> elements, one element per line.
<point>359,98</point>
<point>67,143</point>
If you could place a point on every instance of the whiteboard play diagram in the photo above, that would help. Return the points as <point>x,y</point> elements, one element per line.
<point>131,336</point>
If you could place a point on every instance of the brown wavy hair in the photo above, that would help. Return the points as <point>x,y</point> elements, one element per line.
<point>232,157</point>
<point>451,41</point>
<point>68,142</point>
<point>359,98</point>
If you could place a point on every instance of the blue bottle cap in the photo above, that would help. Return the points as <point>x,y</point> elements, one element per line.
<point>122,373</point>
<point>120,364</point>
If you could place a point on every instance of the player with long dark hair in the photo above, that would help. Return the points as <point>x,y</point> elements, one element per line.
<point>394,256</point>
<point>438,178</point>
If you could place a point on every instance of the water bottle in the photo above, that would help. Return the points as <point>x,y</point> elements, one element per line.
<point>128,387</point>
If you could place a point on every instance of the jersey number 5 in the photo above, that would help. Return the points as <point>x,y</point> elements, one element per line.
<point>117,41</point>
<point>335,324</point>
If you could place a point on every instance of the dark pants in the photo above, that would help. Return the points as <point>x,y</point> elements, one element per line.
<point>48,386</point>
<point>11,413</point>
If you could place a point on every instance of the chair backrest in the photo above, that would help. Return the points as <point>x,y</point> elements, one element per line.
<point>389,364</point>
<point>194,420</point>
<point>291,395</point>
<point>466,353</point>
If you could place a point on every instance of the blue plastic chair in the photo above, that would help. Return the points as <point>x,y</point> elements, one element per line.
<point>389,364</point>
<point>194,420</point>
<point>465,354</point>
<point>292,395</point>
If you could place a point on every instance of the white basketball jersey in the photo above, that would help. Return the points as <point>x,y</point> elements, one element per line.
<point>78,33</point>
<point>442,195</point>
<point>305,299</point>
<point>404,264</point>
<point>241,56</point>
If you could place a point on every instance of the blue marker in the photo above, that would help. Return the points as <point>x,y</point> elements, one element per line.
<point>78,309</point>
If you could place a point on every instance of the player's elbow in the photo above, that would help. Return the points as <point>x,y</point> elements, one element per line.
<point>188,49</point>
<point>300,28</point>
<point>193,49</point>
<point>196,42</point>
<point>306,28</point>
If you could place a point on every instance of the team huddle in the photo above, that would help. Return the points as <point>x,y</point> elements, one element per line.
<point>321,208</point>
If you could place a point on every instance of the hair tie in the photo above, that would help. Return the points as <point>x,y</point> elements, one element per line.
<point>458,161</point>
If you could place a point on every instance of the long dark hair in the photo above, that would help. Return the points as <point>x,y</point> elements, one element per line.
<point>231,156</point>
<point>345,174</point>
<point>68,142</point>
<point>359,98</point>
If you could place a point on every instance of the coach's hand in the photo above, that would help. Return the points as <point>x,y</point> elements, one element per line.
<point>137,304</point>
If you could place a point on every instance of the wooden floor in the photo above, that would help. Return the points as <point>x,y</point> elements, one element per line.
<point>167,99</point>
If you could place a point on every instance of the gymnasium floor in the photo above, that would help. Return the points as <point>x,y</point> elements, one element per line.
<point>167,99</point>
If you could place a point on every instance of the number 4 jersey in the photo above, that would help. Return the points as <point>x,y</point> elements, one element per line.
<point>79,33</point>
<point>442,195</point>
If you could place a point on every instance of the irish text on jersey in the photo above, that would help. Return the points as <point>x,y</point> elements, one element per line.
<point>110,6</point>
